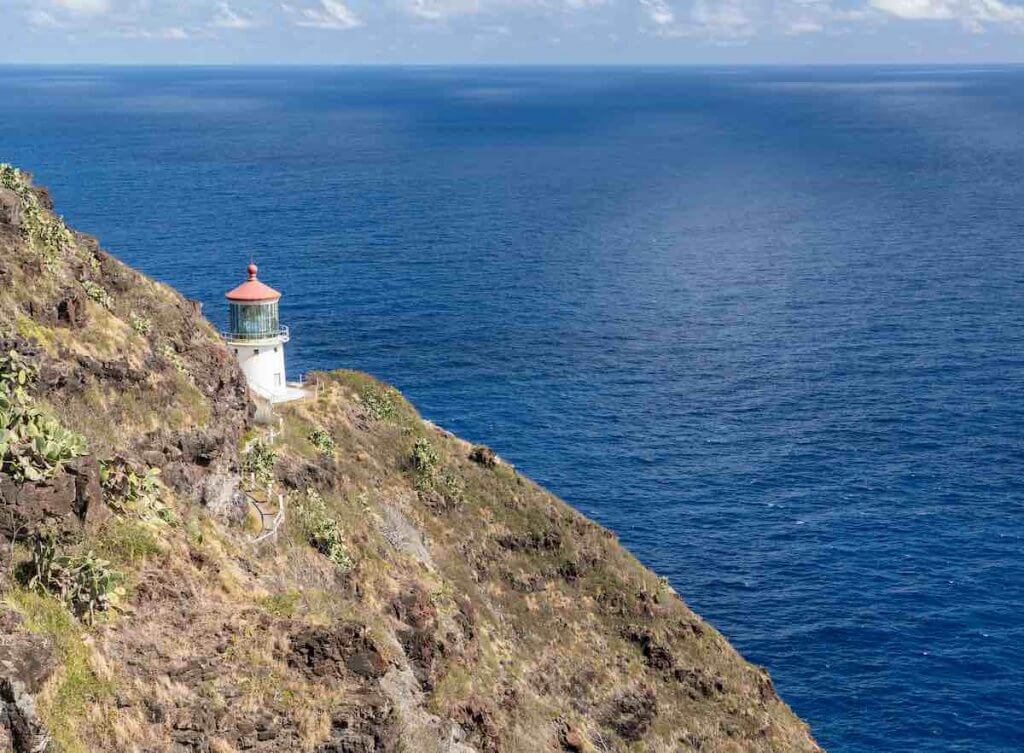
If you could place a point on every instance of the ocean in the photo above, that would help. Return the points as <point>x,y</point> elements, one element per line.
<point>767,324</point>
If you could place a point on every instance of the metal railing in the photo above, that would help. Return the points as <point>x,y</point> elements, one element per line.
<point>248,337</point>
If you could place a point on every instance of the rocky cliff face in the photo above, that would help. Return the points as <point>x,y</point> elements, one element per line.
<point>415,593</point>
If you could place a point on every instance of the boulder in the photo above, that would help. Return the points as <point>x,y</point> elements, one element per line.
<point>331,652</point>
<point>633,713</point>
<point>71,499</point>
<point>71,309</point>
<point>26,663</point>
<point>11,211</point>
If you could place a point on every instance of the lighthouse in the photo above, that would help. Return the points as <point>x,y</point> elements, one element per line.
<point>257,338</point>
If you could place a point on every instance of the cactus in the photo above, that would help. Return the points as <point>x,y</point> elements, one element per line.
<point>321,531</point>
<point>259,461</point>
<point>84,582</point>
<point>141,324</point>
<point>322,440</point>
<point>98,294</point>
<point>132,490</point>
<point>34,446</point>
<point>47,232</point>
<point>424,461</point>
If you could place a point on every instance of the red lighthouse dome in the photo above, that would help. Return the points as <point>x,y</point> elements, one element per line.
<point>252,290</point>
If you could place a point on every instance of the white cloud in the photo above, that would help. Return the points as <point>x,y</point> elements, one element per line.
<point>167,32</point>
<point>723,18</point>
<point>42,19</point>
<point>915,10</point>
<point>332,14</point>
<point>996,10</point>
<point>435,10</point>
<point>85,7</point>
<point>803,26</point>
<point>659,12</point>
<point>226,18</point>
<point>972,14</point>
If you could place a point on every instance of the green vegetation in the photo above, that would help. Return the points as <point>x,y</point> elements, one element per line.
<point>282,604</point>
<point>65,706</point>
<point>259,462</point>
<point>381,402</point>
<point>321,530</point>
<point>130,490</point>
<point>424,463</point>
<point>98,293</point>
<point>141,324</point>
<point>126,542</point>
<point>34,446</point>
<point>452,488</point>
<point>30,329</point>
<point>430,477</point>
<point>46,232</point>
<point>17,375</point>
<point>322,440</point>
<point>84,582</point>
<point>168,353</point>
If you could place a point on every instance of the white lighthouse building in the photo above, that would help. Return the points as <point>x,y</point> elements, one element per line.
<point>257,338</point>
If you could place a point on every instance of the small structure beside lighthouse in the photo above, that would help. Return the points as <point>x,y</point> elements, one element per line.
<point>256,337</point>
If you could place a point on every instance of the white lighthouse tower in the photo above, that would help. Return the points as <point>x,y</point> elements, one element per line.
<point>257,338</point>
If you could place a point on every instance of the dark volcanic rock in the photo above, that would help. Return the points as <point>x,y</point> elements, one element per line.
<point>424,652</point>
<point>11,211</point>
<point>485,456</point>
<point>369,727</point>
<point>26,662</point>
<point>71,309</point>
<point>477,718</point>
<point>535,541</point>
<point>331,652</point>
<point>699,682</point>
<point>655,654</point>
<point>414,608</point>
<point>72,499</point>
<point>633,713</point>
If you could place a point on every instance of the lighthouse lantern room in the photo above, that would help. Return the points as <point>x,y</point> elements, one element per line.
<point>257,338</point>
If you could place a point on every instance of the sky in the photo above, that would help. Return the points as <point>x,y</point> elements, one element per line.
<point>207,32</point>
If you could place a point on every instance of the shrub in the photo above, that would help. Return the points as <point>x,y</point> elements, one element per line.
<point>322,531</point>
<point>169,354</point>
<point>17,375</point>
<point>381,403</point>
<point>322,440</point>
<point>85,583</point>
<point>98,294</point>
<point>127,542</point>
<point>141,324</point>
<point>259,461</point>
<point>282,604</point>
<point>33,445</point>
<point>452,488</point>
<point>45,231</point>
<point>424,462</point>
<point>130,489</point>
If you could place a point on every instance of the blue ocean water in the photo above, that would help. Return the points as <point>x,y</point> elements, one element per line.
<point>766,324</point>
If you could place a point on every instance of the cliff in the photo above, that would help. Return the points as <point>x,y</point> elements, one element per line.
<point>415,593</point>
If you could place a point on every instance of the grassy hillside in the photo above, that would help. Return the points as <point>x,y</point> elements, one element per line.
<point>415,594</point>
